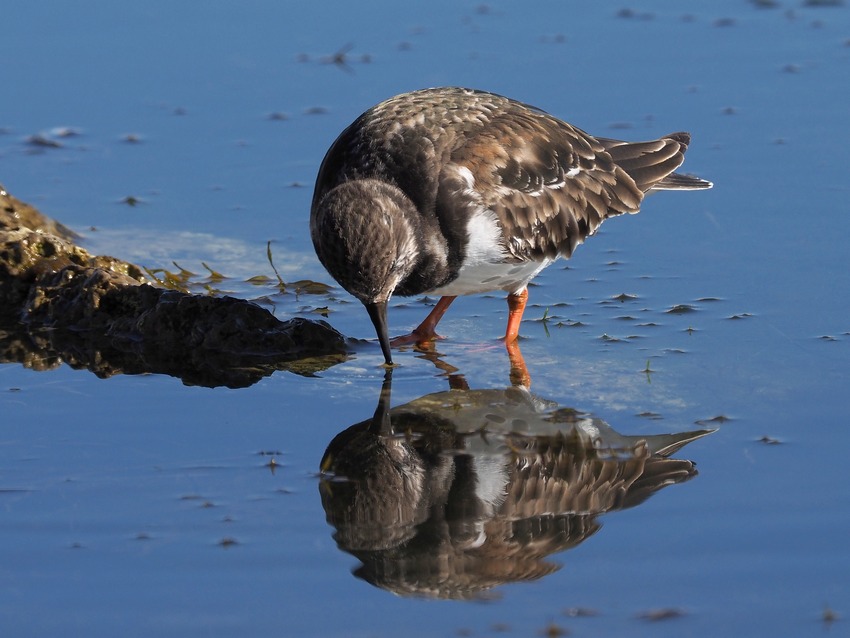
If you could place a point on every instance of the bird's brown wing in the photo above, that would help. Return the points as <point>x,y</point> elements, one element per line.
<point>551,184</point>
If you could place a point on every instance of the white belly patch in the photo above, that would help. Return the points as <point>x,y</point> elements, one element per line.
<point>511,277</point>
<point>486,267</point>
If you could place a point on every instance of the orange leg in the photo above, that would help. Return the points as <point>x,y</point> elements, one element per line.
<point>516,306</point>
<point>427,330</point>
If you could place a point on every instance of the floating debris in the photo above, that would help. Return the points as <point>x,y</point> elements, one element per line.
<point>65,132</point>
<point>131,200</point>
<point>681,309</point>
<point>654,416</point>
<point>553,630</point>
<point>631,14</point>
<point>665,613</point>
<point>580,612</point>
<point>259,280</point>
<point>42,141</point>
<point>558,38</point>
<point>719,419</point>
<point>829,616</point>
<point>570,323</point>
<point>340,59</point>
<point>214,276</point>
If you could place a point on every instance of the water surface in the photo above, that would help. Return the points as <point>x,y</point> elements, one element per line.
<point>137,505</point>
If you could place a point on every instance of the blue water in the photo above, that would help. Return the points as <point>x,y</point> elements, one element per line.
<point>119,497</point>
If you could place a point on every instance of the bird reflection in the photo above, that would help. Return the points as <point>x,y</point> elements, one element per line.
<point>460,491</point>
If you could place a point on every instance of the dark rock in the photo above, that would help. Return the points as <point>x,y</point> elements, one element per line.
<point>58,303</point>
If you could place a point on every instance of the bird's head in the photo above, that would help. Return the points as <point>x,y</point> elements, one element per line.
<point>365,234</point>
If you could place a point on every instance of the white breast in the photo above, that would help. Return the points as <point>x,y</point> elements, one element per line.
<point>487,266</point>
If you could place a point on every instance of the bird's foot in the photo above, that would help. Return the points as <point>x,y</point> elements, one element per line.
<point>415,338</point>
<point>425,332</point>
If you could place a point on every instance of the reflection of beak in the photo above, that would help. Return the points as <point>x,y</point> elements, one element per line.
<point>378,314</point>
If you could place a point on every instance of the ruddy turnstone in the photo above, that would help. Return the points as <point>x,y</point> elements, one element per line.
<point>452,191</point>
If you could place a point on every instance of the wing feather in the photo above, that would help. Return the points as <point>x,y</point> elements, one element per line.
<point>549,183</point>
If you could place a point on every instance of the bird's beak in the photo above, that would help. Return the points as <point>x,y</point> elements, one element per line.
<point>378,313</point>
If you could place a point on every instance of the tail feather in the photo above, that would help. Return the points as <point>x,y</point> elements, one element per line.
<point>651,164</point>
<point>682,182</point>
<point>649,176</point>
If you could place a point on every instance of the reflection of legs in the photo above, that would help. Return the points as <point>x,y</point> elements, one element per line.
<point>429,352</point>
<point>427,330</point>
<point>516,306</point>
<point>519,373</point>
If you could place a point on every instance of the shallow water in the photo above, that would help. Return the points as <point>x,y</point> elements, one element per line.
<point>136,505</point>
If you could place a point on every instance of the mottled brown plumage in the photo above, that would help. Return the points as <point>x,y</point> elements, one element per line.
<point>453,191</point>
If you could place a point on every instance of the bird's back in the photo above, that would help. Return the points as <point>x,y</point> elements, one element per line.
<point>453,151</point>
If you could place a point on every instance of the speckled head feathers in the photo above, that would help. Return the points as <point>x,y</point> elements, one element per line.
<point>363,232</point>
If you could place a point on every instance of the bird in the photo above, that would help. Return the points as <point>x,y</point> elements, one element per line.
<point>452,191</point>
